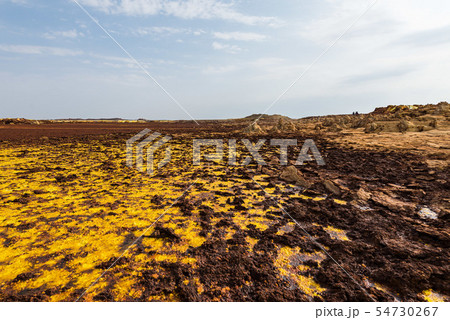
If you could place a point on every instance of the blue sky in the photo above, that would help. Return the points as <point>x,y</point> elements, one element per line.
<point>219,59</point>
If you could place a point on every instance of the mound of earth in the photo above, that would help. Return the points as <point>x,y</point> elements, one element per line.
<point>266,117</point>
<point>442,108</point>
<point>415,118</point>
<point>11,121</point>
<point>283,125</point>
<point>253,128</point>
<point>401,118</point>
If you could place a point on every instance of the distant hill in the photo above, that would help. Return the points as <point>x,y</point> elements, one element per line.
<point>442,108</point>
<point>260,116</point>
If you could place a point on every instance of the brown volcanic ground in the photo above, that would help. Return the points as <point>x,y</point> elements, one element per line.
<point>380,207</point>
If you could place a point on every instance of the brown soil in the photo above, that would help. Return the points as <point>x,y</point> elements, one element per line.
<point>383,188</point>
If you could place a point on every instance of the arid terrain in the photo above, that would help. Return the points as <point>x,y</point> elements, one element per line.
<point>372,224</point>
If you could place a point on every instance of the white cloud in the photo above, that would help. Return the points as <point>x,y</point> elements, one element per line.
<point>397,44</point>
<point>198,32</point>
<point>27,49</point>
<point>71,34</point>
<point>226,47</point>
<point>240,36</point>
<point>386,20</point>
<point>189,9</point>
<point>19,1</point>
<point>159,30</point>
<point>273,68</point>
<point>216,70</point>
<point>166,31</point>
<point>113,58</point>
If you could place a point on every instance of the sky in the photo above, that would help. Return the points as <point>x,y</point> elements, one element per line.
<point>214,59</point>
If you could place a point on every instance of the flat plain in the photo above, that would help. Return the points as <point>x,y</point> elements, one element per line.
<point>77,224</point>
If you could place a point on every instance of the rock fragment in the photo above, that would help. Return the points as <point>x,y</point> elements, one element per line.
<point>426,213</point>
<point>362,194</point>
<point>292,175</point>
<point>390,202</point>
<point>331,187</point>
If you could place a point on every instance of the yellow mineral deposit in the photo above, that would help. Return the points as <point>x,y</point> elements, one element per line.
<point>337,234</point>
<point>431,296</point>
<point>288,265</point>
